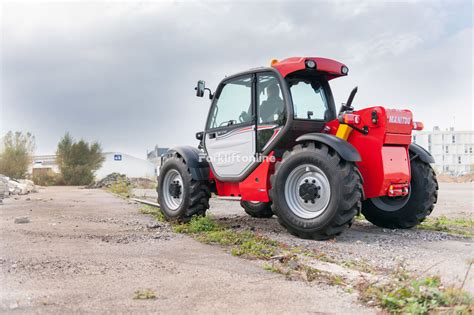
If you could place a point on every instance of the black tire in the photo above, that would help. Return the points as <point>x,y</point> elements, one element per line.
<point>195,194</point>
<point>345,186</point>
<point>410,211</point>
<point>257,209</point>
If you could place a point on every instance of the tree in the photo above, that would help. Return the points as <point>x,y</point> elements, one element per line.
<point>78,161</point>
<point>17,154</point>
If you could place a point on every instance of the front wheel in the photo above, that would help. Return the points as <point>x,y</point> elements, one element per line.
<point>315,193</point>
<point>257,209</point>
<point>179,195</point>
<point>411,210</point>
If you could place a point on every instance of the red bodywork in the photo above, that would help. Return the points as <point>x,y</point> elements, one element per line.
<point>385,162</point>
<point>384,150</point>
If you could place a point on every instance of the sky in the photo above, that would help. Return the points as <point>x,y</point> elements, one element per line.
<point>123,73</point>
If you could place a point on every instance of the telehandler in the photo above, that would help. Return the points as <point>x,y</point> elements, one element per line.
<point>274,138</point>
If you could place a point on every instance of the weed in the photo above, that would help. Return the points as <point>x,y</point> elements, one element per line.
<point>271,267</point>
<point>407,294</point>
<point>197,224</point>
<point>457,226</point>
<point>359,265</point>
<point>360,217</point>
<point>121,188</point>
<point>144,295</point>
<point>154,211</point>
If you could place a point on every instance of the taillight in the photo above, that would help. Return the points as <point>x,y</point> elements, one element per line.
<point>351,119</point>
<point>418,125</point>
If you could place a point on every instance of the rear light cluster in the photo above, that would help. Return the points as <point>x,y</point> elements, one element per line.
<point>351,119</point>
<point>398,190</point>
<point>418,125</point>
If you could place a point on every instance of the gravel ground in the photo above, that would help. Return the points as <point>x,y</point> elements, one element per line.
<point>423,252</point>
<point>87,251</point>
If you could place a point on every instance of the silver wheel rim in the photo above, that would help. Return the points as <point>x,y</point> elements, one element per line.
<point>307,173</point>
<point>172,177</point>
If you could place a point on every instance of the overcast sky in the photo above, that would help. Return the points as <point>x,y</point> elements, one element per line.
<point>124,73</point>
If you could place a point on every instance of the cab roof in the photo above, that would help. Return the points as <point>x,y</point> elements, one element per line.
<point>332,68</point>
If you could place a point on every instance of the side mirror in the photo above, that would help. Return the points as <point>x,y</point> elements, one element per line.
<point>201,86</point>
<point>199,135</point>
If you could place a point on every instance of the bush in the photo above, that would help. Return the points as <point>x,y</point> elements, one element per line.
<point>78,160</point>
<point>48,178</point>
<point>17,154</point>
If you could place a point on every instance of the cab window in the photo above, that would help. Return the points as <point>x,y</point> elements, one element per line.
<point>233,105</point>
<point>271,107</point>
<point>309,99</point>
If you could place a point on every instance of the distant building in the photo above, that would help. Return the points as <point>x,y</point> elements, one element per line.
<point>43,164</point>
<point>114,162</point>
<point>451,149</point>
<point>154,156</point>
<point>125,164</point>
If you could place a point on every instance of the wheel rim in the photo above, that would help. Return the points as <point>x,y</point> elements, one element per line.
<point>391,204</point>
<point>173,190</point>
<point>307,191</point>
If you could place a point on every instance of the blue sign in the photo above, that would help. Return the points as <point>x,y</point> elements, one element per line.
<point>118,157</point>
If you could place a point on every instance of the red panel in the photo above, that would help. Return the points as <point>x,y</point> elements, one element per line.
<point>393,138</point>
<point>289,65</point>
<point>399,121</point>
<point>396,167</point>
<point>254,188</point>
<point>384,155</point>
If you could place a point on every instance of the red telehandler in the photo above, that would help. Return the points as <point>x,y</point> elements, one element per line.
<point>274,138</point>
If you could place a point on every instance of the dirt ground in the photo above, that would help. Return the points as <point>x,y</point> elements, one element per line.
<point>89,251</point>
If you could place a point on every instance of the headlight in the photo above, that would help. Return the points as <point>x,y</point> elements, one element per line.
<point>310,64</point>
<point>344,70</point>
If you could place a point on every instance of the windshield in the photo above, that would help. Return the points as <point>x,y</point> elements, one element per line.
<point>309,99</point>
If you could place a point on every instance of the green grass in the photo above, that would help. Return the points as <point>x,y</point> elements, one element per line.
<point>459,226</point>
<point>154,211</point>
<point>243,243</point>
<point>121,188</point>
<point>405,294</point>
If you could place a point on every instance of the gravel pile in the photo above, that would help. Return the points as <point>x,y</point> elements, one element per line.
<point>109,180</point>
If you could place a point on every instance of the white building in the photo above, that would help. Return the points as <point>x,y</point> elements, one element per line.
<point>452,150</point>
<point>114,162</point>
<point>43,163</point>
<point>125,164</point>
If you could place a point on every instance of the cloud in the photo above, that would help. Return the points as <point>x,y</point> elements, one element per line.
<point>124,73</point>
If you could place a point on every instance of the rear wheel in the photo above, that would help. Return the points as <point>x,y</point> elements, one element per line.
<point>179,195</point>
<point>408,211</point>
<point>257,209</point>
<point>315,193</point>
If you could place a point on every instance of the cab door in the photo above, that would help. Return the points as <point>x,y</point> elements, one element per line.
<point>230,137</point>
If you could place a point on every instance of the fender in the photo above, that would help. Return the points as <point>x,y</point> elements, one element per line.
<point>418,151</point>
<point>342,147</point>
<point>194,158</point>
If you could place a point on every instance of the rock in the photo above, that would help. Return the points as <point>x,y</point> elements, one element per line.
<point>153,225</point>
<point>22,220</point>
<point>28,185</point>
<point>10,186</point>
<point>4,191</point>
